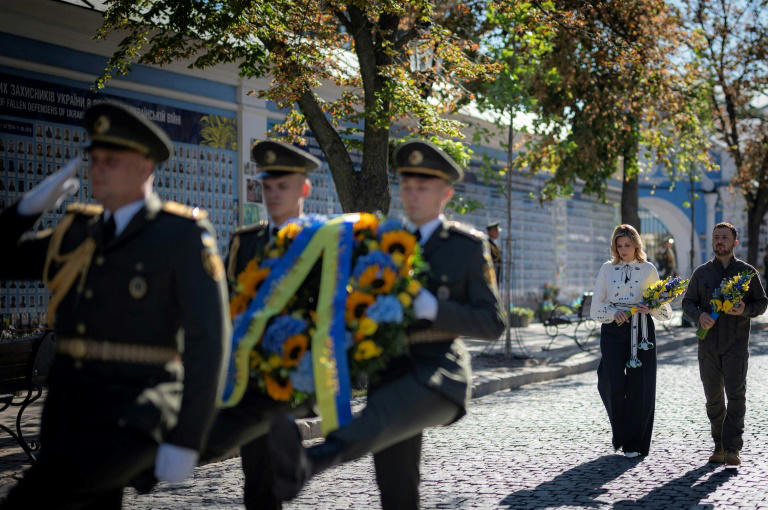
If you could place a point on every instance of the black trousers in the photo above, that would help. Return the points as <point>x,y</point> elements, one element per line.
<point>725,375</point>
<point>246,426</point>
<point>629,394</point>
<point>82,467</point>
<point>390,427</point>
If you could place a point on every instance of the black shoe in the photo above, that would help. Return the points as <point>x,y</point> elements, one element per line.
<point>292,469</point>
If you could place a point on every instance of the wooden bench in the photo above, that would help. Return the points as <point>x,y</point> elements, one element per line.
<point>24,364</point>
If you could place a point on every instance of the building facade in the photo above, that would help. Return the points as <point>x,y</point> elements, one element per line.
<point>48,62</point>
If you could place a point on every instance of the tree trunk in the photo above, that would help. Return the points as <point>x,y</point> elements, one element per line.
<point>372,191</point>
<point>629,188</point>
<point>630,201</point>
<point>755,215</point>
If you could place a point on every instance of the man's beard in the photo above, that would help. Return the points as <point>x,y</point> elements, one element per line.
<point>721,251</point>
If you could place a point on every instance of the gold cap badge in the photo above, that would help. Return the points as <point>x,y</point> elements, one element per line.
<point>415,158</point>
<point>270,157</point>
<point>101,125</point>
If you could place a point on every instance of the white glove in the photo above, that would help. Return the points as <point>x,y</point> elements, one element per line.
<point>174,463</point>
<point>51,192</point>
<point>425,305</point>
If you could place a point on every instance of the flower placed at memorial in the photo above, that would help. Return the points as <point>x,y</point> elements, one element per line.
<point>727,296</point>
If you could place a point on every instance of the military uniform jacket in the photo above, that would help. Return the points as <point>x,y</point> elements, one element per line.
<point>159,283</point>
<point>496,258</point>
<point>247,242</point>
<point>729,331</point>
<point>461,277</point>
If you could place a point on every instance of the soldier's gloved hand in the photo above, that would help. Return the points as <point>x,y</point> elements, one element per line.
<point>174,463</point>
<point>425,305</point>
<point>51,192</point>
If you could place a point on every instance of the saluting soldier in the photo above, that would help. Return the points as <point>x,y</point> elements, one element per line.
<point>283,173</point>
<point>496,258</point>
<point>139,309</point>
<point>430,386</point>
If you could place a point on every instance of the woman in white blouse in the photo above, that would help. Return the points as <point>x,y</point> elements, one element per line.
<point>626,377</point>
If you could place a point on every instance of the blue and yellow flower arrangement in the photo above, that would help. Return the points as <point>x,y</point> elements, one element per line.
<point>727,296</point>
<point>384,273</point>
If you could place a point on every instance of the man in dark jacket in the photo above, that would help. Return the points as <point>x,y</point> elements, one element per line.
<point>139,310</point>
<point>496,258</point>
<point>430,386</point>
<point>724,353</point>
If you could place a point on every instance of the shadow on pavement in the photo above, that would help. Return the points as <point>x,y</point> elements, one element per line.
<point>683,492</point>
<point>579,486</point>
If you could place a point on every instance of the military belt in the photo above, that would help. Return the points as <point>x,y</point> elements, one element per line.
<point>430,336</point>
<point>97,350</point>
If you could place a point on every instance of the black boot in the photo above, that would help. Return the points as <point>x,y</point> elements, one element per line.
<point>293,464</point>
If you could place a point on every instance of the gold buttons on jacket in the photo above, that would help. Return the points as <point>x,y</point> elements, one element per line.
<point>99,260</point>
<point>80,328</point>
<point>137,287</point>
<point>88,294</point>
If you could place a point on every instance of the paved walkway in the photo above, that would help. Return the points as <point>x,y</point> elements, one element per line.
<point>535,358</point>
<point>544,445</point>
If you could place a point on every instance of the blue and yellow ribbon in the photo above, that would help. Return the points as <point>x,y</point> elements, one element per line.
<point>334,242</point>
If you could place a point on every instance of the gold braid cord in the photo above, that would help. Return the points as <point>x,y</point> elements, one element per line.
<point>72,264</point>
<point>232,262</point>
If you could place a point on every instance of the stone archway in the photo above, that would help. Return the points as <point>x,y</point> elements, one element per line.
<point>679,226</point>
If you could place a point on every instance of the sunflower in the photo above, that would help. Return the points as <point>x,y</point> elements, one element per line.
<point>357,304</point>
<point>277,389</point>
<point>288,232</point>
<point>293,349</point>
<point>380,281</point>
<point>368,326</point>
<point>413,287</point>
<point>367,349</point>
<point>248,281</point>
<point>367,222</point>
<point>238,305</point>
<point>398,241</point>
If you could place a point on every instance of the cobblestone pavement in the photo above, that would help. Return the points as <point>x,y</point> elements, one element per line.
<point>546,445</point>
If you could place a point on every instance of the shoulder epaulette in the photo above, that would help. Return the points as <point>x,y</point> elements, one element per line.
<point>85,209</point>
<point>465,230</point>
<point>185,211</point>
<point>250,228</point>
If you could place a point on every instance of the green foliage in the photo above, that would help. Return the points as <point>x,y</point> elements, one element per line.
<point>607,87</point>
<point>521,311</point>
<point>365,50</point>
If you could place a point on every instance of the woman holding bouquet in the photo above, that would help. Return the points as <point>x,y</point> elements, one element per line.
<point>626,377</point>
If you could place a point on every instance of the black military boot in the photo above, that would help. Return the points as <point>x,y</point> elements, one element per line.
<point>293,464</point>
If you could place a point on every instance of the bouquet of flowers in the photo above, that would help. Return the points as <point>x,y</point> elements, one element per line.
<point>728,295</point>
<point>375,306</point>
<point>384,282</point>
<point>654,297</point>
<point>660,293</point>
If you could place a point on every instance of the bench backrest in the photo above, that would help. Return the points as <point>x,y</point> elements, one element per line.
<point>25,361</point>
<point>586,305</point>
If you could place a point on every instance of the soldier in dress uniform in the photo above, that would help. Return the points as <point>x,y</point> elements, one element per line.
<point>430,386</point>
<point>140,313</point>
<point>496,258</point>
<point>283,173</point>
